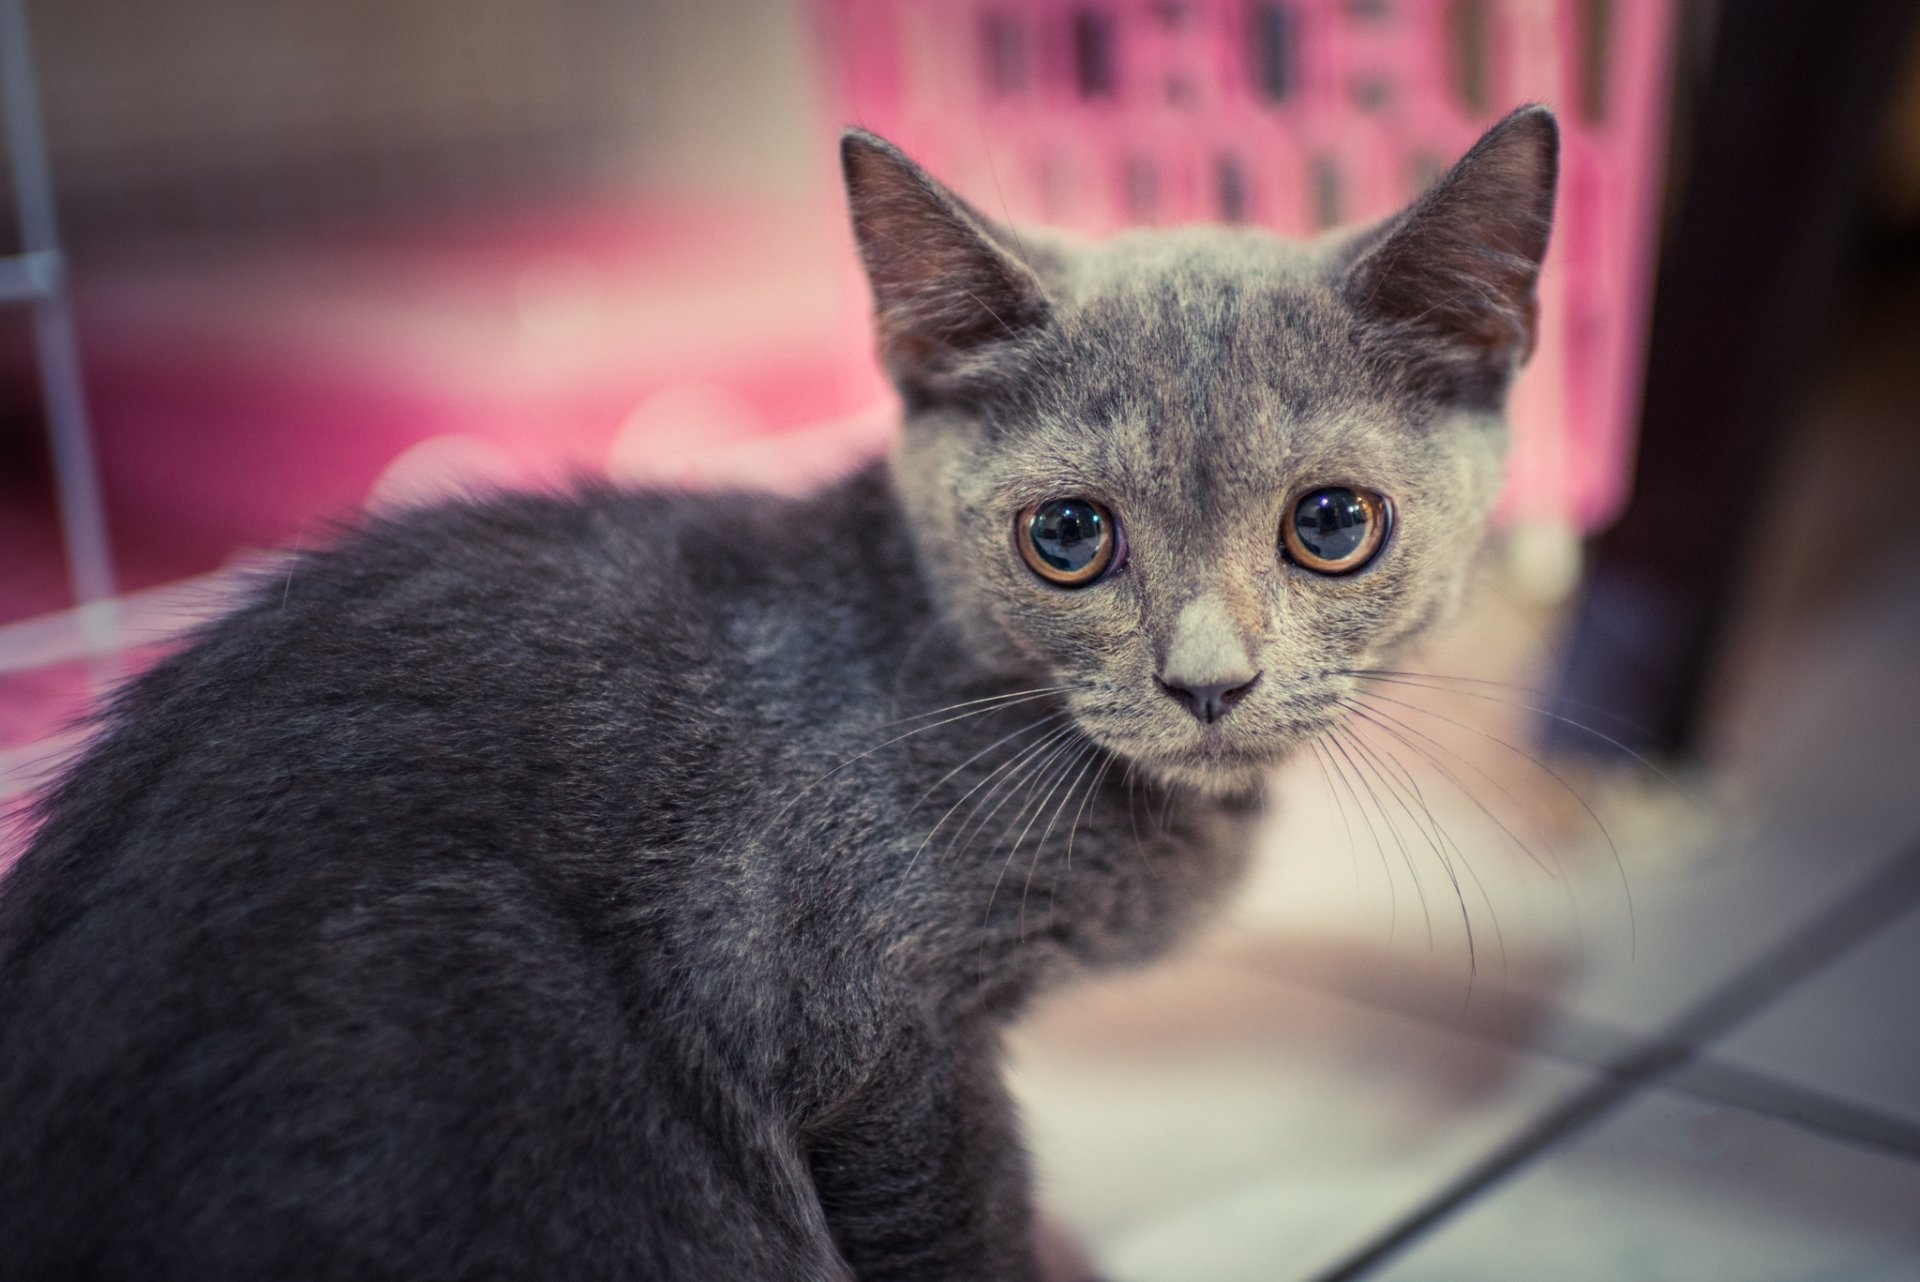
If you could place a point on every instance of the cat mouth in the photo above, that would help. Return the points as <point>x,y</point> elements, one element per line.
<point>1226,756</point>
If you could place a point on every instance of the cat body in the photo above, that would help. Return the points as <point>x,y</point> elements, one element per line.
<point>629,885</point>
<point>570,968</point>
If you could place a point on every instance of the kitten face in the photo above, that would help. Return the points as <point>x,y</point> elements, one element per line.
<point>1187,391</point>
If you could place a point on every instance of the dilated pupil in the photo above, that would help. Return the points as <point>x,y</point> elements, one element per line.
<point>1067,534</point>
<point>1332,523</point>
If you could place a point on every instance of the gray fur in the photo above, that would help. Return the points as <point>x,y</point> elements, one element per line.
<point>593,886</point>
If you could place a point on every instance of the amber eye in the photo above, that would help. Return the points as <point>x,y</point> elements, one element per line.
<point>1336,529</point>
<point>1069,542</point>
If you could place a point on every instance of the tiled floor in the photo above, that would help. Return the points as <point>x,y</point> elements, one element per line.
<point>1322,1070</point>
<point>1207,1122</point>
<point>1671,1190</point>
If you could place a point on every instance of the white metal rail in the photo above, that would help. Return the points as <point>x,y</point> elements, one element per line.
<point>36,278</point>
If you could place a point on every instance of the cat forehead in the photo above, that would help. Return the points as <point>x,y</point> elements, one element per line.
<point>1209,304</point>
<point>1207,326</point>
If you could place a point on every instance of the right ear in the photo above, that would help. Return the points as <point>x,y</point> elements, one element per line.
<point>946,290</point>
<point>1458,269</point>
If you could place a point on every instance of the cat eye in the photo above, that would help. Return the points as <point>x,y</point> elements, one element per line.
<point>1069,542</point>
<point>1336,529</point>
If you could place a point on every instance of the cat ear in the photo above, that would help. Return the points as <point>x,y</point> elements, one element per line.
<point>945,285</point>
<point>1459,265</point>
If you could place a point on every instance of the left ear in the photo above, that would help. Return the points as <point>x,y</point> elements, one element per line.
<point>1459,266</point>
<point>946,290</point>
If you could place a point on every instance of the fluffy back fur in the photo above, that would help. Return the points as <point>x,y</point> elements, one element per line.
<point>628,885</point>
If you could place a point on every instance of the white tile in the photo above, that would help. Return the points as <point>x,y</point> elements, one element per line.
<point>1851,1031</point>
<point>1202,1122</point>
<point>1827,781</point>
<point>1671,1191</point>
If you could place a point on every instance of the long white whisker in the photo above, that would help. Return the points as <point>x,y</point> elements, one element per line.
<point>861,756</point>
<point>1441,841</point>
<point>1406,857</point>
<point>1353,857</point>
<point>1620,867</point>
<point>1581,726</point>
<point>941,782</point>
<point>1379,850</point>
<point>1133,815</point>
<point>1087,756</point>
<point>1051,783</point>
<point>1093,791</point>
<point>1020,696</point>
<point>1386,721</point>
<point>974,823</point>
<point>1024,730</point>
<point>1392,726</point>
<point>986,918</point>
<point>1448,679</point>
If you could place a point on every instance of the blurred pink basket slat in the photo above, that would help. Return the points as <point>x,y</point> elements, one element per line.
<point>1296,114</point>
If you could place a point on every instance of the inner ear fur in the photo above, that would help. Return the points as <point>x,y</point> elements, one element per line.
<point>946,287</point>
<point>1459,266</point>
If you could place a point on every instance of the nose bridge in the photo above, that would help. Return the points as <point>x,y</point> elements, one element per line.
<point>1208,641</point>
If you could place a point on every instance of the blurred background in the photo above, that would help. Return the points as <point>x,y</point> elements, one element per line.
<point>1588,956</point>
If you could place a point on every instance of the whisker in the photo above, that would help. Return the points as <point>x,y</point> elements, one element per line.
<point>1388,765</point>
<point>1021,696</point>
<point>1053,783</point>
<point>1426,914</point>
<point>1079,754</point>
<point>1619,866</point>
<point>1133,817</point>
<point>943,779</point>
<point>1087,756</point>
<point>1010,786</point>
<point>1093,790</point>
<point>1386,720</point>
<point>1166,813</point>
<point>1067,754</point>
<point>1024,730</point>
<point>1581,726</point>
<point>1440,856</point>
<point>861,756</point>
<point>1393,892</point>
<point>1353,857</point>
<point>1043,752</point>
<point>1452,679</point>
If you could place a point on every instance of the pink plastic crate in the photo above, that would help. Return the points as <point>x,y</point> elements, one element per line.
<point>1296,115</point>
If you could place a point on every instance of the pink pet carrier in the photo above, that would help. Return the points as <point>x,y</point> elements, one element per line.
<point>1296,115</point>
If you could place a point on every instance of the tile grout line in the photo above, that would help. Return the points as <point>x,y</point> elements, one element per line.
<point>1727,1085</point>
<point>1882,898</point>
<point>1595,1045</point>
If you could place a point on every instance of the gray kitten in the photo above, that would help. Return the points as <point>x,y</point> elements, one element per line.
<point>626,885</point>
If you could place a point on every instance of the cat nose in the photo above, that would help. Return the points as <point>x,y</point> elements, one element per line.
<point>1212,701</point>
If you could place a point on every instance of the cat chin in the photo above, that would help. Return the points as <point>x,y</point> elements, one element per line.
<point>1239,779</point>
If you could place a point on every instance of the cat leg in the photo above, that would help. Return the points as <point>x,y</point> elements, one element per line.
<point>922,1175</point>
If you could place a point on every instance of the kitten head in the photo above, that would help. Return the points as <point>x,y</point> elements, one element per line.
<point>1197,476</point>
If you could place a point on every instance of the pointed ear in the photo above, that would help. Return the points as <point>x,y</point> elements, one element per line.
<point>1459,266</point>
<point>946,288</point>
